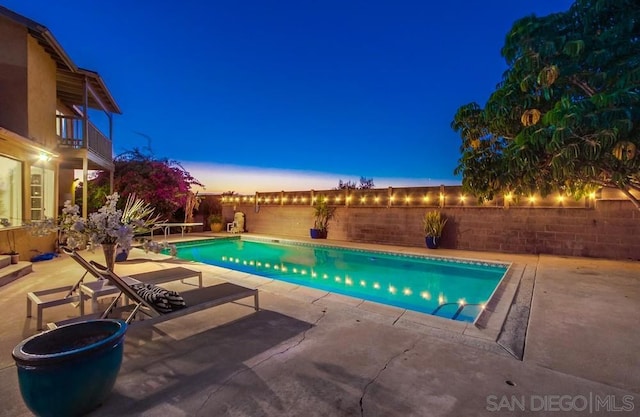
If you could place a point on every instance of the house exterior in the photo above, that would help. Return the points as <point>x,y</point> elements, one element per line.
<point>48,108</point>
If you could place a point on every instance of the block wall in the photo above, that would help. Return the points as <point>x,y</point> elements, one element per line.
<point>610,230</point>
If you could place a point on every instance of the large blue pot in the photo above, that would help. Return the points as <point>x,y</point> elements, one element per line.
<point>318,233</point>
<point>70,370</point>
<point>432,242</point>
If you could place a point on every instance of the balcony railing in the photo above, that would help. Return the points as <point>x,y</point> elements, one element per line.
<point>71,135</point>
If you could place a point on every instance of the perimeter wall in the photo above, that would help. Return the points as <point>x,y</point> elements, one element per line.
<point>603,226</point>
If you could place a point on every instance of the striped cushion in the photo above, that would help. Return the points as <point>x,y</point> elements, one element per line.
<point>163,300</point>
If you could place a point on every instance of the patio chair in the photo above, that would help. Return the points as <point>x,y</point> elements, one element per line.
<point>237,226</point>
<point>195,299</point>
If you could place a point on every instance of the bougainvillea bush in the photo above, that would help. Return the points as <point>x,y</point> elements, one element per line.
<point>164,183</point>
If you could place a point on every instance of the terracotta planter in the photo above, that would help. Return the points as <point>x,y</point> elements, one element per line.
<point>15,258</point>
<point>70,370</point>
<point>216,227</point>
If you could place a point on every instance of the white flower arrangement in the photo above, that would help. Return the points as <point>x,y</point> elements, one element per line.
<point>109,225</point>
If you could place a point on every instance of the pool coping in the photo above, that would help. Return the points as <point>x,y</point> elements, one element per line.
<point>486,329</point>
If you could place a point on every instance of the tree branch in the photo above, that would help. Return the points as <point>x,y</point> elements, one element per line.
<point>583,86</point>
<point>631,197</point>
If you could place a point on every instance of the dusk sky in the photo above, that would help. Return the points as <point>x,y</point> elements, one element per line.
<point>262,95</point>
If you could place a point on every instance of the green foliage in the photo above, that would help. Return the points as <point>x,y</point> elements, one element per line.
<point>581,71</point>
<point>215,218</point>
<point>322,213</point>
<point>433,223</point>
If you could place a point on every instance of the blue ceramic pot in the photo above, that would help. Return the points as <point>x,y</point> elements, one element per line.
<point>432,242</point>
<point>70,370</point>
<point>318,233</point>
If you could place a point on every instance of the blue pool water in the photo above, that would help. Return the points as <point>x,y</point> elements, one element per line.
<point>452,288</point>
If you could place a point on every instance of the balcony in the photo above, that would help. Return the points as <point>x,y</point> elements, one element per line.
<point>73,144</point>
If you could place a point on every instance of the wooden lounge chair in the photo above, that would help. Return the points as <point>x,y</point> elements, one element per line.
<point>196,299</point>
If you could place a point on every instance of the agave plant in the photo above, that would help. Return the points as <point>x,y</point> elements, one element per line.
<point>139,214</point>
<point>433,223</point>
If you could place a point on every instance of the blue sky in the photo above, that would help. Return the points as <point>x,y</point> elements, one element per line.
<point>263,95</point>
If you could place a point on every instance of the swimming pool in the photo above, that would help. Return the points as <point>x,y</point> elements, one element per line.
<point>456,289</point>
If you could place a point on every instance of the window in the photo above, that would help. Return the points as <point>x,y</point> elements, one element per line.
<point>10,192</point>
<point>42,196</point>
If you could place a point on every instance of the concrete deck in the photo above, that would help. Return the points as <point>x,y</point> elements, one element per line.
<point>310,353</point>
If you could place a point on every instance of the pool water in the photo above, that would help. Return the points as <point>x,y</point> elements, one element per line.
<point>452,288</point>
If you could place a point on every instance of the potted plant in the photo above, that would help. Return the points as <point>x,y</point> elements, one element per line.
<point>433,223</point>
<point>322,214</point>
<point>216,222</point>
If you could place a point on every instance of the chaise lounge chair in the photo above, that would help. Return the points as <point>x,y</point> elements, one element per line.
<point>78,292</point>
<point>195,299</point>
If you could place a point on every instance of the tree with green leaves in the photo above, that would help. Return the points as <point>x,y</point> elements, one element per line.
<point>566,115</point>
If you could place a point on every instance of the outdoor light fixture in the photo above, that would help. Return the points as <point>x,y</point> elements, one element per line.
<point>363,199</point>
<point>532,199</point>
<point>377,199</point>
<point>426,198</point>
<point>407,199</point>
<point>508,197</point>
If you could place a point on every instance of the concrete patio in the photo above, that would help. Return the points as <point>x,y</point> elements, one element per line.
<point>310,353</point>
